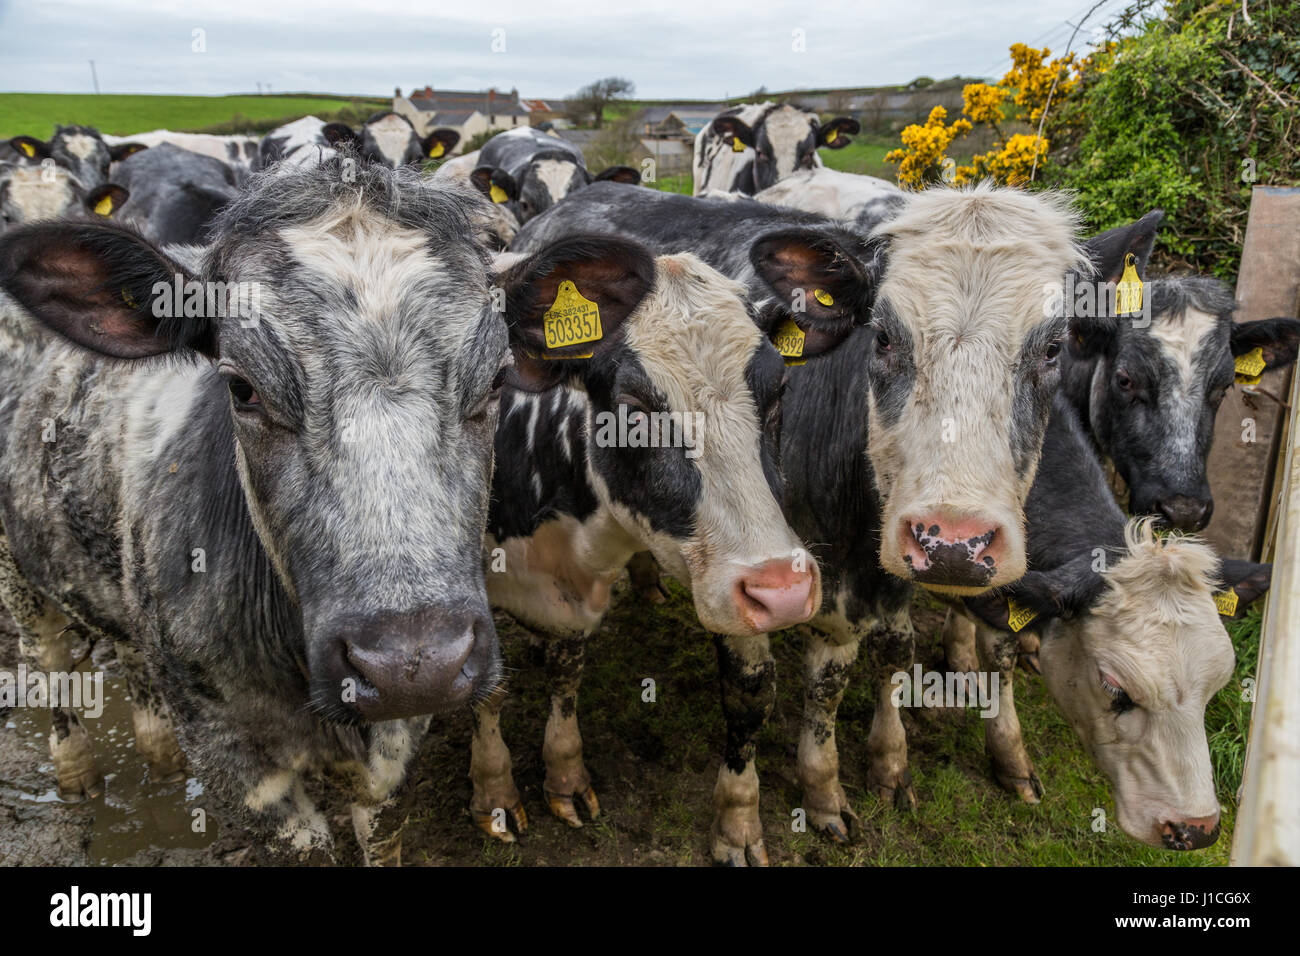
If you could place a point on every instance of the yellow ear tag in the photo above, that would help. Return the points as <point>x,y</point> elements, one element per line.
<point>571,320</point>
<point>497,193</point>
<point>28,148</point>
<point>1017,616</point>
<point>129,299</point>
<point>1128,291</point>
<point>436,150</point>
<point>831,136</point>
<point>105,206</point>
<point>736,145</point>
<point>824,297</point>
<point>1226,602</point>
<point>789,341</point>
<point>1250,367</point>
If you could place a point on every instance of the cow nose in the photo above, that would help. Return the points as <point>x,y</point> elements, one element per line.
<point>390,666</point>
<point>951,550</point>
<point>776,594</point>
<point>1185,513</point>
<point>1194,833</point>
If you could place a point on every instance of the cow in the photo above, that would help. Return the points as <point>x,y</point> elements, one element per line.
<point>497,225</point>
<point>529,171</point>
<point>81,150</point>
<point>280,506</point>
<point>573,499</point>
<point>34,193</point>
<point>176,194</point>
<point>1148,387</point>
<point>1132,648</point>
<point>862,202</point>
<point>385,138</point>
<point>908,450</point>
<point>753,146</point>
<point>237,151</point>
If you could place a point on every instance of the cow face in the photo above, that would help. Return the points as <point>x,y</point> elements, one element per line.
<point>1156,386</point>
<point>1133,676</point>
<point>961,373</point>
<point>682,418</point>
<point>35,193</point>
<point>360,378</point>
<point>78,149</point>
<point>784,140</point>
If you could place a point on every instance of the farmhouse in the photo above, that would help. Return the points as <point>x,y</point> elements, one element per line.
<point>467,112</point>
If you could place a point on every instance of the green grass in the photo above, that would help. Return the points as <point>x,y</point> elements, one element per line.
<point>680,183</point>
<point>35,114</point>
<point>865,155</point>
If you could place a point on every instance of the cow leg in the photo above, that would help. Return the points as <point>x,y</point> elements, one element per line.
<point>155,737</point>
<point>998,652</point>
<point>748,677</point>
<point>891,645</point>
<point>566,774</point>
<point>49,643</point>
<point>827,662</point>
<point>959,642</point>
<point>1029,642</point>
<point>390,749</point>
<point>280,803</point>
<point>643,572</point>
<point>495,801</point>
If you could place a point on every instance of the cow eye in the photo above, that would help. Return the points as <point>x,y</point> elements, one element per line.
<point>1124,381</point>
<point>1120,700</point>
<point>634,405</point>
<point>493,393</point>
<point>1052,352</point>
<point>882,341</point>
<point>244,394</point>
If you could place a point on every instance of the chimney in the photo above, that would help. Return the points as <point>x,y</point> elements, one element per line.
<point>397,92</point>
<point>428,92</point>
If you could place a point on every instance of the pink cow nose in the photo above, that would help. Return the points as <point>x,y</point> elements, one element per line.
<point>1194,833</point>
<point>951,550</point>
<point>775,595</point>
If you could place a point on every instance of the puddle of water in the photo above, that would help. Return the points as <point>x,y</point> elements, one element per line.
<point>134,813</point>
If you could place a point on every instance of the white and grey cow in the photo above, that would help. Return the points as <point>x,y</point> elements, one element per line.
<point>81,150</point>
<point>577,493</point>
<point>286,520</point>
<point>862,202</point>
<point>49,191</point>
<point>529,171</point>
<point>385,138</point>
<point>753,146</point>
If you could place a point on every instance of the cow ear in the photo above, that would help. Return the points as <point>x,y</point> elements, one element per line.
<point>819,284</point>
<point>122,150</point>
<point>340,134</point>
<point>1041,596</point>
<point>497,184</point>
<point>731,129</point>
<point>566,302</point>
<point>619,174</point>
<point>1091,336</point>
<point>1109,251</point>
<point>98,285</point>
<point>835,134</point>
<point>1278,340</point>
<point>107,199</point>
<point>31,147</point>
<point>1245,579</point>
<point>439,143</point>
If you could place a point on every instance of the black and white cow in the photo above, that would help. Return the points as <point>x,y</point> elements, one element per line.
<point>35,193</point>
<point>175,194</point>
<point>385,138</point>
<point>81,150</point>
<point>908,450</point>
<point>287,520</point>
<point>1132,648</point>
<point>1148,387</point>
<point>862,202</point>
<point>751,147</point>
<point>576,493</point>
<point>237,151</point>
<point>530,171</point>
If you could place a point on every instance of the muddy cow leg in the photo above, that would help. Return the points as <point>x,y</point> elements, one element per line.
<point>391,747</point>
<point>747,674</point>
<point>50,644</point>
<point>643,572</point>
<point>828,658</point>
<point>998,651</point>
<point>155,737</point>
<point>890,645</point>
<point>495,802</point>
<point>566,774</point>
<point>959,642</point>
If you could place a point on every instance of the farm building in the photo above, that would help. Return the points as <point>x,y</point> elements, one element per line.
<point>467,112</point>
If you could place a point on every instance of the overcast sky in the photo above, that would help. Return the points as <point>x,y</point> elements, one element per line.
<point>669,48</point>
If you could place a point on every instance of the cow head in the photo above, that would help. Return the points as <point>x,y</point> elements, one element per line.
<point>547,178</point>
<point>784,139</point>
<point>390,140</point>
<point>681,417</point>
<point>34,193</point>
<point>1155,382</point>
<point>354,353</point>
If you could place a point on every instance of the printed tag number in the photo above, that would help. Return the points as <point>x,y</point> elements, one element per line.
<point>572,319</point>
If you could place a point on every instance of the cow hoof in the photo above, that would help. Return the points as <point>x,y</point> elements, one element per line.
<point>897,791</point>
<point>841,827</point>
<point>1029,789</point>
<point>74,767</point>
<point>727,854</point>
<point>1030,663</point>
<point>497,825</point>
<point>563,808</point>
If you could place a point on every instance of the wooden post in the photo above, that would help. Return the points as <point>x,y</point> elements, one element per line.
<point>1241,473</point>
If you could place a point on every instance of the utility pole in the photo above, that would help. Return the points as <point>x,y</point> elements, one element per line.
<point>93,76</point>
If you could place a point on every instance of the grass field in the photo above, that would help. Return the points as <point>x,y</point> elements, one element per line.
<point>35,114</point>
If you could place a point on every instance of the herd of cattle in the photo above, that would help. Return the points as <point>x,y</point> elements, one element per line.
<point>295,524</point>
